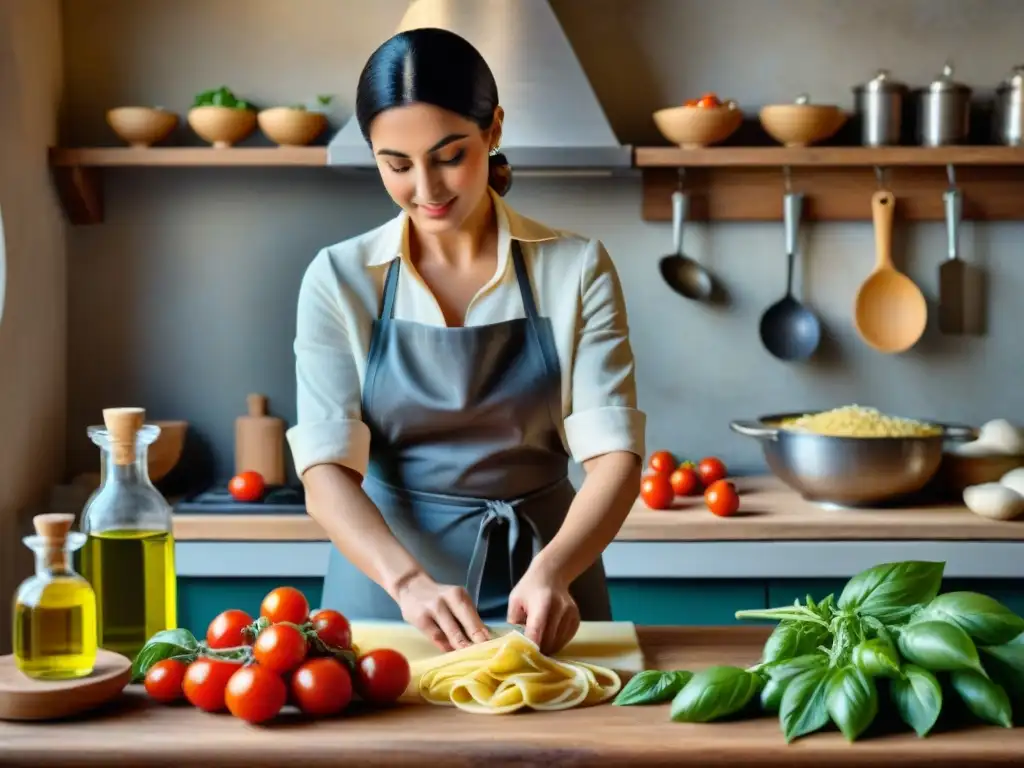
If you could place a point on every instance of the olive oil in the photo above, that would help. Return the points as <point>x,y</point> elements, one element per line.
<point>133,574</point>
<point>55,610</point>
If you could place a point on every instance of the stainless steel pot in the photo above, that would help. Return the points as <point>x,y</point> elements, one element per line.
<point>880,106</point>
<point>1008,114</point>
<point>943,111</point>
<point>849,471</point>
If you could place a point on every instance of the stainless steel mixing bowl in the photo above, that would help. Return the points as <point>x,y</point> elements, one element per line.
<point>849,471</point>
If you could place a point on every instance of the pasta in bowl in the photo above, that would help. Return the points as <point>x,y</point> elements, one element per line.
<point>851,456</point>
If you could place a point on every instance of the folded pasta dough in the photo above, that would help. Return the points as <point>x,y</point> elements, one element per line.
<point>509,673</point>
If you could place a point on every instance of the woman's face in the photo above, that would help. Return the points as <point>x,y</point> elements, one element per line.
<point>433,163</point>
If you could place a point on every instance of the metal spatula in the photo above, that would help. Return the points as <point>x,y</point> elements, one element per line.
<point>959,302</point>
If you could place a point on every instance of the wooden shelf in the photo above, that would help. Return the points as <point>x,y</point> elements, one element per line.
<point>747,183</point>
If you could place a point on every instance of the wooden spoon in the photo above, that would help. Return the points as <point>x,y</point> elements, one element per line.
<point>889,312</point>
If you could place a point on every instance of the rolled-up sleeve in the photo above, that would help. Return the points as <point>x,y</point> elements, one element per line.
<point>329,428</point>
<point>604,415</point>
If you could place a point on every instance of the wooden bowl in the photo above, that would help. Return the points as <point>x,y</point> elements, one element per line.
<point>141,126</point>
<point>694,127</point>
<point>290,127</point>
<point>798,125</point>
<point>958,472</point>
<point>165,451</point>
<point>222,126</point>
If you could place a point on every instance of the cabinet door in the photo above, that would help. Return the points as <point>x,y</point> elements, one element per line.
<point>684,602</point>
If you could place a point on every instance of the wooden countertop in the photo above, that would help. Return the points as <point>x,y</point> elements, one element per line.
<point>769,511</point>
<point>136,731</point>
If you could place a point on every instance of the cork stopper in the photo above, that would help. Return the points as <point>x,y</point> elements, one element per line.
<point>257,404</point>
<point>53,528</point>
<point>123,424</point>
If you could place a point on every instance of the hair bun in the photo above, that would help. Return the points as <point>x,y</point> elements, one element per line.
<point>499,176</point>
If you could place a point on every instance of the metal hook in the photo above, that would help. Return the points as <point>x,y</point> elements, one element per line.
<point>951,174</point>
<point>881,176</point>
<point>787,177</point>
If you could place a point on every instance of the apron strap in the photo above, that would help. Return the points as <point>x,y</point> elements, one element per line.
<point>523,278</point>
<point>387,310</point>
<point>498,513</point>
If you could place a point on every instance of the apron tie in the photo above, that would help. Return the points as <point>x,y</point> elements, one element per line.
<point>497,513</point>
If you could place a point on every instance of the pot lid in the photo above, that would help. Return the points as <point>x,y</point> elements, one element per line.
<point>945,82</point>
<point>882,82</point>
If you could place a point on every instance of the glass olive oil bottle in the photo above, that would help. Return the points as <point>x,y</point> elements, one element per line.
<point>128,556</point>
<point>55,610</point>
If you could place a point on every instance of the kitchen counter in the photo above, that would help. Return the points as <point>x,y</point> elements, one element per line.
<point>136,731</point>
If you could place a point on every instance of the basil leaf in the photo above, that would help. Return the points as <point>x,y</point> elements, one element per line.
<point>803,708</point>
<point>982,617</point>
<point>939,647</point>
<point>1005,663</point>
<point>713,693</point>
<point>851,701</point>
<point>792,639</point>
<point>984,698</point>
<point>168,644</point>
<point>891,591</point>
<point>652,686</point>
<point>780,674</point>
<point>876,658</point>
<point>918,698</point>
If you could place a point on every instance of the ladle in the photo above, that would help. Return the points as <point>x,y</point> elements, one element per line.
<point>889,312</point>
<point>789,330</point>
<point>683,275</point>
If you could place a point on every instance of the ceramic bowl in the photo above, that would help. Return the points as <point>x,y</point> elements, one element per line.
<point>222,126</point>
<point>694,127</point>
<point>141,126</point>
<point>290,127</point>
<point>798,125</point>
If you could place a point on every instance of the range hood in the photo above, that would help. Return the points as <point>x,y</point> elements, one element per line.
<point>553,120</point>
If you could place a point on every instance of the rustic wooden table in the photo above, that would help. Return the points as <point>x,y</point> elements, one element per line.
<point>136,731</point>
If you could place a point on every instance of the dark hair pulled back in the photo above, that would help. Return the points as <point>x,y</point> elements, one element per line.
<point>432,66</point>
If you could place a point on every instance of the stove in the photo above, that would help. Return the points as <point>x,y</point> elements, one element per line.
<point>278,500</point>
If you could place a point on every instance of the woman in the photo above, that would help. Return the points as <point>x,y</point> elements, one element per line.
<point>448,363</point>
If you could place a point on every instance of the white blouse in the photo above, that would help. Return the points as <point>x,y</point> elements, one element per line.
<point>574,283</point>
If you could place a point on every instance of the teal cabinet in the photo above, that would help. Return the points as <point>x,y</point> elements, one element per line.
<point>642,601</point>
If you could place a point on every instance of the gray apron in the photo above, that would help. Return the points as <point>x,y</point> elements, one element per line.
<point>466,463</point>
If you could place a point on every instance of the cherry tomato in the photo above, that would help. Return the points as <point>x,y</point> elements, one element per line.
<point>709,100</point>
<point>711,470</point>
<point>280,648</point>
<point>684,481</point>
<point>662,462</point>
<point>322,687</point>
<point>225,631</point>
<point>285,604</point>
<point>332,628</point>
<point>722,498</point>
<point>255,694</point>
<point>656,491</point>
<point>163,680</point>
<point>205,681</point>
<point>382,675</point>
<point>247,486</point>
<point>692,102</point>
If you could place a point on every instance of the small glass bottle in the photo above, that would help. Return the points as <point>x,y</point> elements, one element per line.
<point>129,552</point>
<point>55,610</point>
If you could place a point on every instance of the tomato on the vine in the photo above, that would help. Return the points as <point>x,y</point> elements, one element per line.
<point>163,680</point>
<point>226,630</point>
<point>255,694</point>
<point>711,470</point>
<point>247,486</point>
<point>684,480</point>
<point>280,648</point>
<point>662,462</point>
<point>656,491</point>
<point>382,675</point>
<point>722,498</point>
<point>332,628</point>
<point>205,681</point>
<point>321,687</point>
<point>285,604</point>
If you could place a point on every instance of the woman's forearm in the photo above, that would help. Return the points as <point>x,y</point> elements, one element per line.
<point>335,499</point>
<point>595,515</point>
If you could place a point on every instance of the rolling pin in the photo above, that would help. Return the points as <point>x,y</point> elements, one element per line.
<point>259,442</point>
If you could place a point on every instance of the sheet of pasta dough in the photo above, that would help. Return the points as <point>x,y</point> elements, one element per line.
<point>611,644</point>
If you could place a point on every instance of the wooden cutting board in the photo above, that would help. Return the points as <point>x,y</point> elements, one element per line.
<point>610,644</point>
<point>22,698</point>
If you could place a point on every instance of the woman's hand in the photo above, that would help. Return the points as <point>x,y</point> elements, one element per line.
<point>542,602</point>
<point>443,612</point>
